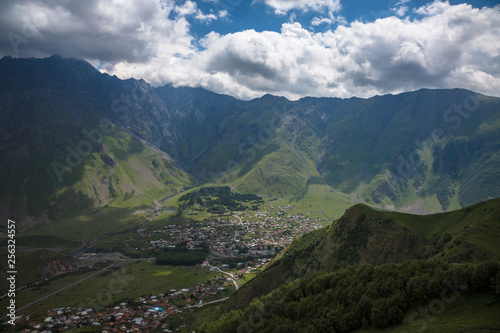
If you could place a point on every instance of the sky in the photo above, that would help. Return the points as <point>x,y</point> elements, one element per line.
<point>291,48</point>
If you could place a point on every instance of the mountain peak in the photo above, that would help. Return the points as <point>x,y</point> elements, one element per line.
<point>269,97</point>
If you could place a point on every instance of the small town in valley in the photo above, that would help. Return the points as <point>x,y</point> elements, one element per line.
<point>238,246</point>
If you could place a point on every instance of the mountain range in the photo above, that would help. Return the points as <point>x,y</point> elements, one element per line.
<point>87,156</point>
<point>75,141</point>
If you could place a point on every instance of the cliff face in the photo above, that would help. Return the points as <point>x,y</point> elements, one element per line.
<point>39,266</point>
<point>53,265</point>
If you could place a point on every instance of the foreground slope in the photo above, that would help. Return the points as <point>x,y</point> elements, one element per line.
<point>367,236</point>
<point>409,296</point>
<point>376,269</point>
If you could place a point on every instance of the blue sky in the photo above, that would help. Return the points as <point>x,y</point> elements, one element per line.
<point>292,48</point>
<point>260,17</point>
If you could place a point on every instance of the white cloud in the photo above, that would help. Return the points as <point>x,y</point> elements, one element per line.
<point>190,8</point>
<point>331,19</point>
<point>455,46</point>
<point>446,47</point>
<point>435,8</point>
<point>114,31</point>
<point>283,6</point>
<point>318,21</point>
<point>401,10</point>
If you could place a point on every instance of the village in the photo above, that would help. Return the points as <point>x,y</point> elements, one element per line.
<point>237,245</point>
<point>146,313</point>
<point>247,235</point>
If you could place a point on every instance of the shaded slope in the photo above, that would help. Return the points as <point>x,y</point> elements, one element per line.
<point>364,235</point>
<point>62,154</point>
<point>374,297</point>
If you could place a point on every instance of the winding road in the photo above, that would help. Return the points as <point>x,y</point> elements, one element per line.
<point>231,277</point>
<point>207,303</point>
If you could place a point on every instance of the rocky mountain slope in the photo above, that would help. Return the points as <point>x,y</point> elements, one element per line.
<point>74,139</point>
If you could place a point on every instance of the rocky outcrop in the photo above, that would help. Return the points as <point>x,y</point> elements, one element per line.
<point>53,264</point>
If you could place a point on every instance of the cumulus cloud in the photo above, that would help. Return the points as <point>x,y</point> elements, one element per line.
<point>448,46</point>
<point>118,30</point>
<point>284,6</point>
<point>445,46</point>
<point>190,8</point>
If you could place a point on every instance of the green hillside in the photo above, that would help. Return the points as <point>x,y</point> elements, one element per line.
<point>411,295</point>
<point>367,236</point>
<point>64,159</point>
<point>423,152</point>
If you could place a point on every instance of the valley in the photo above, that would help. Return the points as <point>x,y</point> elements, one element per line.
<point>243,250</point>
<point>232,215</point>
<point>239,244</point>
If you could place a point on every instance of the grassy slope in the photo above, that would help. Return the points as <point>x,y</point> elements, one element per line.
<point>278,174</point>
<point>354,146</point>
<point>46,113</point>
<point>289,176</point>
<point>367,138</point>
<point>124,194</point>
<point>468,313</point>
<point>365,235</point>
<point>473,230</point>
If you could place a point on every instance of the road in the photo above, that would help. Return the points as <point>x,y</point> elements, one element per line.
<point>18,310</point>
<point>241,221</point>
<point>231,277</point>
<point>267,230</point>
<point>203,304</point>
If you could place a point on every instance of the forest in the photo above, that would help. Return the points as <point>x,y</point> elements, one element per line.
<point>182,256</point>
<point>219,198</point>
<point>362,296</point>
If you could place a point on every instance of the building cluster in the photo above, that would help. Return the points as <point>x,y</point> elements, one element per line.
<point>241,235</point>
<point>145,314</point>
<point>253,235</point>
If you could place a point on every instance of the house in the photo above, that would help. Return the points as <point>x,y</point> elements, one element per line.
<point>157,309</point>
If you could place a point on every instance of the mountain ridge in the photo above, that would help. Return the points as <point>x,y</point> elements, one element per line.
<point>422,151</point>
